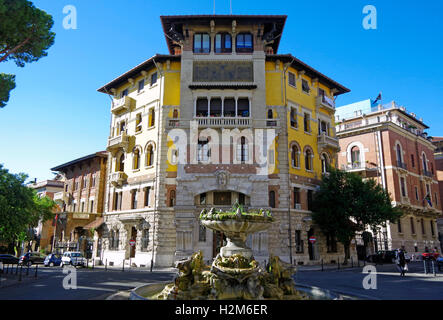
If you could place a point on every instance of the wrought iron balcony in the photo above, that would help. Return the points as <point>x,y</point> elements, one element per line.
<point>121,104</point>
<point>325,141</point>
<point>223,122</point>
<point>117,179</point>
<point>402,165</point>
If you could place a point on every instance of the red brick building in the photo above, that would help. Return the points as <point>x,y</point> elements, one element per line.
<point>82,204</point>
<point>438,155</point>
<point>387,143</point>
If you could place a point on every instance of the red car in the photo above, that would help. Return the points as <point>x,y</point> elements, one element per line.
<point>430,255</point>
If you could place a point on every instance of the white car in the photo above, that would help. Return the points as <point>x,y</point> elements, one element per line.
<point>74,259</point>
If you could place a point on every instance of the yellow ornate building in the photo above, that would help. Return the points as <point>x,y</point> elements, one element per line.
<point>221,119</point>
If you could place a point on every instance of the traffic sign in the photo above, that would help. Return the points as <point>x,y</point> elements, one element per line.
<point>312,239</point>
<point>132,243</point>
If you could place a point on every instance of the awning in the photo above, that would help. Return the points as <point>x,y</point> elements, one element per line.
<point>94,224</point>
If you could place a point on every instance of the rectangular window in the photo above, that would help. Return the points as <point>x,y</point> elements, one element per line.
<point>403,186</point>
<point>124,93</point>
<point>310,195</point>
<point>83,207</point>
<point>294,123</point>
<point>291,79</point>
<point>202,43</point>
<point>243,107</point>
<point>242,199</point>
<point>416,193</point>
<point>138,122</point>
<point>229,107</point>
<point>412,161</point>
<point>93,180</point>
<point>203,151</point>
<point>244,42</point>
<point>223,43</point>
<point>141,85</point>
<point>153,78</point>
<point>74,207</point>
<point>399,226</point>
<point>145,240</point>
<point>91,208</point>
<point>296,198</point>
<point>134,199</point>
<point>298,242</point>
<point>151,118</point>
<point>412,225</point>
<point>147,195</point>
<point>305,86</point>
<point>202,107</point>
<point>222,198</point>
<point>307,122</point>
<point>85,182</point>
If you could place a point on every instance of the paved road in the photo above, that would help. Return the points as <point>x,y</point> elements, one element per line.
<point>91,284</point>
<point>416,285</point>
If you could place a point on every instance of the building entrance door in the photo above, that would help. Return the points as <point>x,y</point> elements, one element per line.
<point>134,238</point>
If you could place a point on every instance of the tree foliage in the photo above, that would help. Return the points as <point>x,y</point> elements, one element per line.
<point>25,37</point>
<point>7,84</point>
<point>345,205</point>
<point>20,207</point>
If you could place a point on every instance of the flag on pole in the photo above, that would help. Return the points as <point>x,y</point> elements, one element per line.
<point>428,199</point>
<point>376,99</point>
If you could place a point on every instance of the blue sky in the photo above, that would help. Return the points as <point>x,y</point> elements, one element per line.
<point>55,114</point>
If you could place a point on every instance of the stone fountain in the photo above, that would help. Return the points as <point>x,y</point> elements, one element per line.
<point>234,273</point>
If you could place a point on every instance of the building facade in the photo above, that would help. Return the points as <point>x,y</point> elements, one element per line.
<point>438,155</point>
<point>44,233</point>
<point>221,119</point>
<point>386,143</point>
<point>81,204</point>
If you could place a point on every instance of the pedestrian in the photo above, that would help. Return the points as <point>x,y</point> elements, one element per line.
<point>401,261</point>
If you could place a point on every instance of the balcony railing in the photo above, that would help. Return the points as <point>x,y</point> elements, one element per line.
<point>121,104</point>
<point>428,173</point>
<point>326,102</point>
<point>118,178</point>
<point>402,165</point>
<point>325,141</point>
<point>223,122</point>
<point>121,141</point>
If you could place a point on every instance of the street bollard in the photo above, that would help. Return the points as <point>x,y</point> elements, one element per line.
<point>352,263</point>
<point>16,270</point>
<point>123,266</point>
<point>106,265</point>
<point>433,268</point>
<point>424,264</point>
<point>20,276</point>
<point>87,263</point>
<point>36,270</point>
<point>321,264</point>
<point>93,264</point>
<point>130,263</point>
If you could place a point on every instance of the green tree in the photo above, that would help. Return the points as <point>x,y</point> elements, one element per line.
<point>20,208</point>
<point>25,37</point>
<point>345,205</point>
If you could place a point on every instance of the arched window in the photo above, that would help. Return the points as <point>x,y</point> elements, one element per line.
<point>272,199</point>
<point>150,156</point>
<point>308,160</point>
<point>399,154</point>
<point>295,156</point>
<point>355,157</point>
<point>324,163</point>
<point>121,163</point>
<point>172,198</point>
<point>425,163</point>
<point>136,159</point>
<point>242,150</point>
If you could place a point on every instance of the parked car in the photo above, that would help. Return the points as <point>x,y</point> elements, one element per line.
<point>386,256</point>
<point>52,260</point>
<point>8,259</point>
<point>73,259</point>
<point>31,258</point>
<point>430,255</point>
